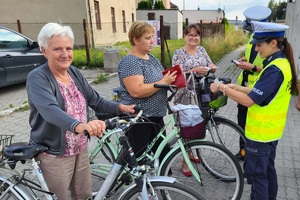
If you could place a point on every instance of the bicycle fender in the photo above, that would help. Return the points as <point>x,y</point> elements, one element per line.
<point>19,190</point>
<point>152,179</point>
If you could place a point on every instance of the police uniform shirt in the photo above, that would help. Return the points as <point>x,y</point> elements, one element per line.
<point>268,85</point>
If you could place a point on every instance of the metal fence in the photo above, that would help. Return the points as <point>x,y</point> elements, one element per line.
<point>105,36</point>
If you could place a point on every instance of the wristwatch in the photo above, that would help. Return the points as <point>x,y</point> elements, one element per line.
<point>254,69</point>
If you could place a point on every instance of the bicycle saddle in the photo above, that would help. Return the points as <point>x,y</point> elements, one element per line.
<point>22,151</point>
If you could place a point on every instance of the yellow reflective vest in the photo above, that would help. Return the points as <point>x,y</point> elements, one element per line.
<point>258,61</point>
<point>266,123</point>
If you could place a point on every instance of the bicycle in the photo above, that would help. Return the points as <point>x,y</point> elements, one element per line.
<point>220,129</point>
<point>145,186</point>
<point>217,175</point>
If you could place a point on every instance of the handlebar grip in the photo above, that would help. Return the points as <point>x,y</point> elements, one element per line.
<point>161,85</point>
<point>86,133</point>
<point>137,109</point>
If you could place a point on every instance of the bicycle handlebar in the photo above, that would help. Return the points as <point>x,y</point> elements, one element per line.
<point>124,121</point>
<point>172,88</point>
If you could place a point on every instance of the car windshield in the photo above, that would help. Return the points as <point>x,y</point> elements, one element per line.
<point>9,40</point>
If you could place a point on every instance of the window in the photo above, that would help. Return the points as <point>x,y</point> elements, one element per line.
<point>113,20</point>
<point>124,21</point>
<point>132,17</point>
<point>97,15</point>
<point>151,16</point>
<point>10,40</point>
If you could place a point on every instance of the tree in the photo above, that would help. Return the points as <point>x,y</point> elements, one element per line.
<point>159,5</point>
<point>278,10</point>
<point>145,5</point>
<point>226,24</point>
<point>225,21</point>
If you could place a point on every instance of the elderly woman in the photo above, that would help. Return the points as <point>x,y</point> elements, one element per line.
<point>59,97</point>
<point>267,103</point>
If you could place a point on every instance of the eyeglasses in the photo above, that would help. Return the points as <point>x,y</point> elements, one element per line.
<point>193,36</point>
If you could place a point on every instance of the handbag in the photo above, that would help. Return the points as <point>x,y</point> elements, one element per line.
<point>188,113</point>
<point>180,81</point>
<point>187,95</point>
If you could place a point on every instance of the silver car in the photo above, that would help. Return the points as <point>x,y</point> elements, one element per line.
<point>18,56</point>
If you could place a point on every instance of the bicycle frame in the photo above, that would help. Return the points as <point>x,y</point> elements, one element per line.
<point>171,134</point>
<point>21,191</point>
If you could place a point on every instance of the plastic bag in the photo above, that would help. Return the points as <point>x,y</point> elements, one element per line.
<point>192,125</point>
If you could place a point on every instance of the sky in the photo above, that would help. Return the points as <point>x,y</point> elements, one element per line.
<point>232,8</point>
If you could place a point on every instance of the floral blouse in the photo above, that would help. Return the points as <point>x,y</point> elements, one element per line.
<point>188,62</point>
<point>75,106</point>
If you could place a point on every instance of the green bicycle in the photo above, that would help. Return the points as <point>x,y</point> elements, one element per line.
<point>217,175</point>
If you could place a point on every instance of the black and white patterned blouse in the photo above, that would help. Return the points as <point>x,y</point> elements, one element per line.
<point>154,105</point>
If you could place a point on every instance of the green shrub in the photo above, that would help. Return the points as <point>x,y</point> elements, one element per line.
<point>80,59</point>
<point>159,5</point>
<point>145,5</point>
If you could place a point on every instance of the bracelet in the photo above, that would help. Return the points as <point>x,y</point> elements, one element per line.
<point>224,90</point>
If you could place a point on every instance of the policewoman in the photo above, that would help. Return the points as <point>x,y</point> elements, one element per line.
<point>267,103</point>
<point>251,64</point>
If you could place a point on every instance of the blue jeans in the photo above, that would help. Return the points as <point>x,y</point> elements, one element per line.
<point>259,169</point>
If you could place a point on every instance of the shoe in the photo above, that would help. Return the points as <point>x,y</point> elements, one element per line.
<point>187,173</point>
<point>239,156</point>
<point>194,159</point>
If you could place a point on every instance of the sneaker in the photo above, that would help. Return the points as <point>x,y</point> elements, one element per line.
<point>239,156</point>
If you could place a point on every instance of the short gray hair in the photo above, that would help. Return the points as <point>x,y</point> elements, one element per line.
<point>50,30</point>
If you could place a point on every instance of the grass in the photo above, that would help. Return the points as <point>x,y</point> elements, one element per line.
<point>102,77</point>
<point>216,46</point>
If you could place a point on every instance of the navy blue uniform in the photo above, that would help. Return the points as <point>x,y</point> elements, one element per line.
<point>259,163</point>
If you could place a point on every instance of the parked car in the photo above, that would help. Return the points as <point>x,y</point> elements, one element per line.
<point>18,56</point>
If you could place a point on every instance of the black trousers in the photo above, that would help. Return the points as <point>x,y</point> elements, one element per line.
<point>241,118</point>
<point>141,134</point>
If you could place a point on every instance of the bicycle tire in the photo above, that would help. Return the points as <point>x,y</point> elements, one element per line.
<point>9,195</point>
<point>166,190</point>
<point>100,165</point>
<point>21,191</point>
<point>228,133</point>
<point>217,168</point>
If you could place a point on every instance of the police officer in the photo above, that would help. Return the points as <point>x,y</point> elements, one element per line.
<point>251,63</point>
<point>267,103</point>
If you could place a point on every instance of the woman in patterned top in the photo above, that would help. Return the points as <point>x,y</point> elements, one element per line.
<point>59,97</point>
<point>138,72</point>
<point>192,57</point>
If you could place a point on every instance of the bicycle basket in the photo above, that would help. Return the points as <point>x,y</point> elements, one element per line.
<point>190,122</point>
<point>4,140</point>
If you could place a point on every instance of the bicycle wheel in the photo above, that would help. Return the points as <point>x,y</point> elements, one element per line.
<point>19,191</point>
<point>165,190</point>
<point>101,161</point>
<point>220,172</point>
<point>225,132</point>
<point>9,195</point>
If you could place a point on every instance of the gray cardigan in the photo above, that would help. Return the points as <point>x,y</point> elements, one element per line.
<point>48,120</point>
